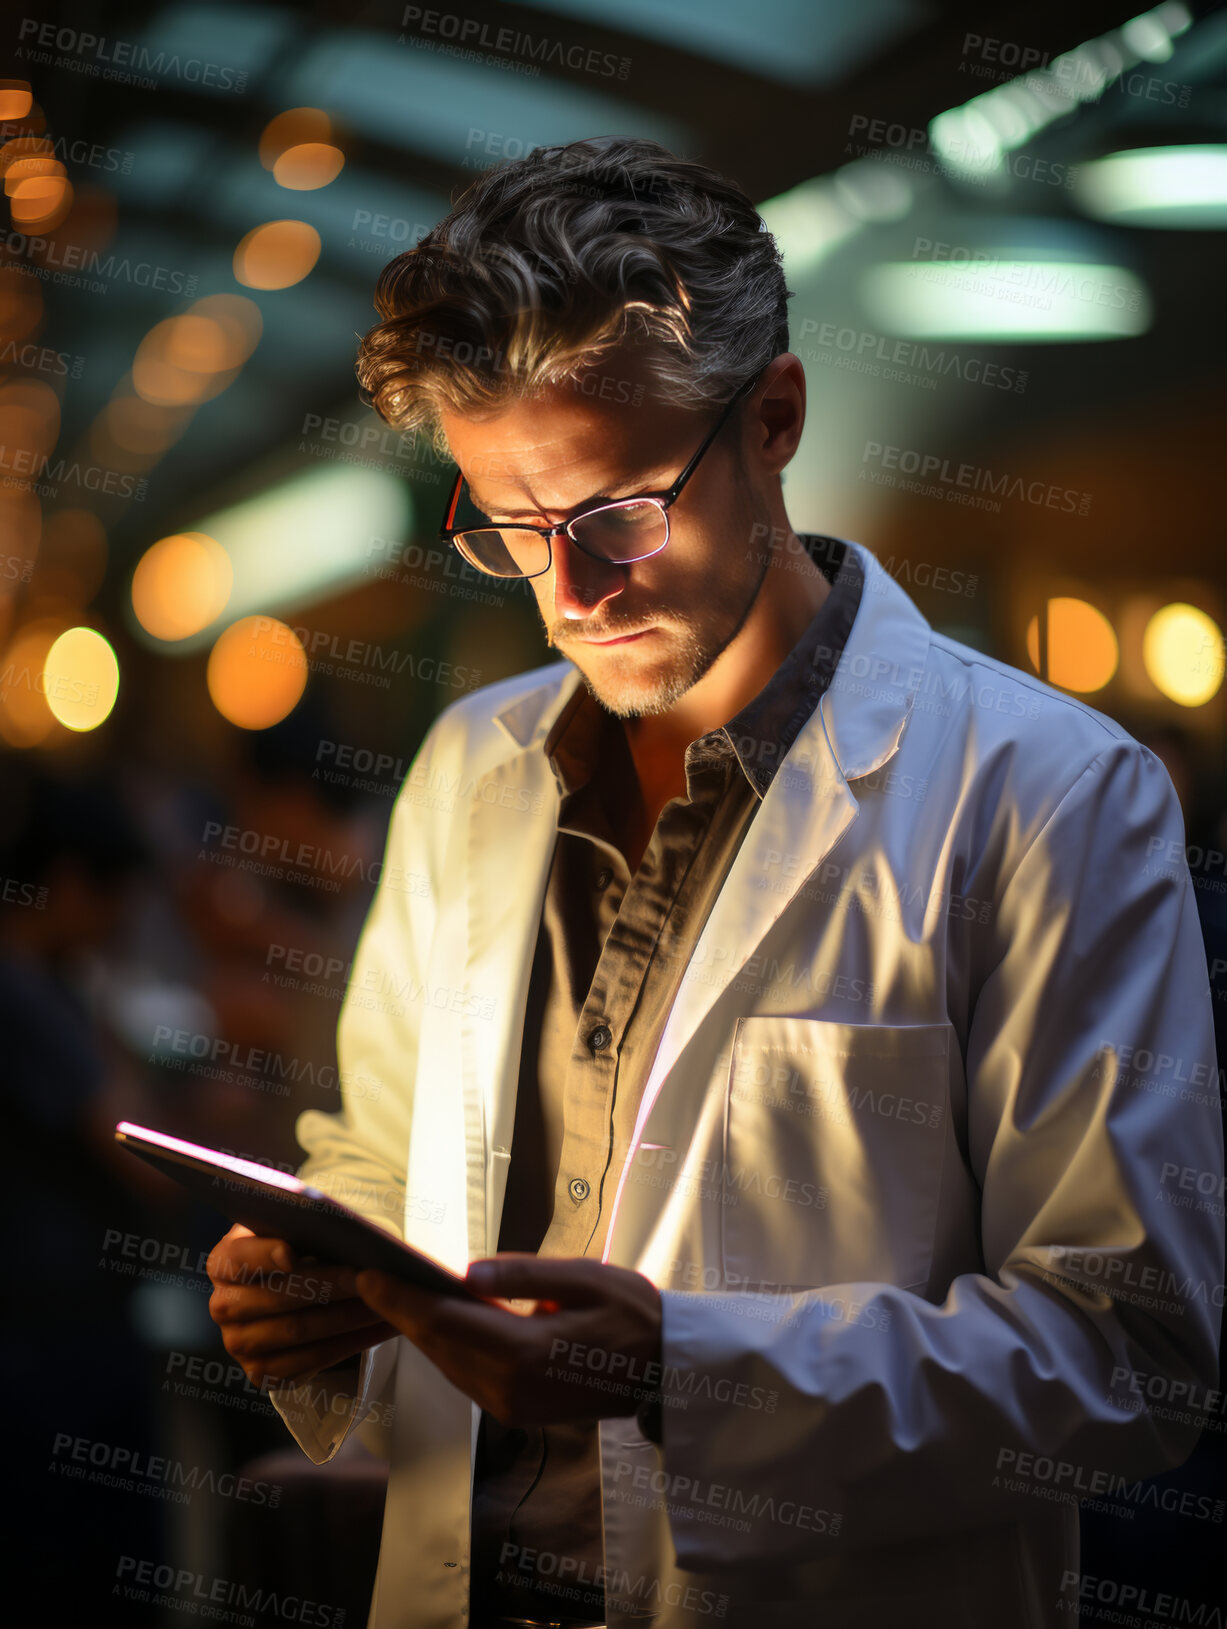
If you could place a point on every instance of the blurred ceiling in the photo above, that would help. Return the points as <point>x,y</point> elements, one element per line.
<point>775,94</point>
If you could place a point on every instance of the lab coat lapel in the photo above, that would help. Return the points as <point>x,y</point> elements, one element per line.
<point>512,825</point>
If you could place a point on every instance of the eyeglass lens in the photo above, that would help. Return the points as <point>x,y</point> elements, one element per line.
<point>620,533</point>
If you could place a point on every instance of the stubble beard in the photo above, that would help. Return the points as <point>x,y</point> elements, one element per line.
<point>692,655</point>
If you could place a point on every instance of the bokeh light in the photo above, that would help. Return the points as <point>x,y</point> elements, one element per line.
<point>277,254</point>
<point>1182,649</point>
<point>181,584</point>
<point>297,126</point>
<point>25,718</point>
<point>129,424</point>
<point>39,191</point>
<point>193,357</point>
<point>21,523</point>
<point>16,99</point>
<point>1083,651</point>
<point>257,672</point>
<point>310,165</point>
<point>29,424</point>
<point>81,678</point>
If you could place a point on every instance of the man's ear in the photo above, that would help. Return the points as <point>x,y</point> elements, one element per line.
<point>778,413</point>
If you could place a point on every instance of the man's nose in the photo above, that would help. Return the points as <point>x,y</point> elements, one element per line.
<point>580,582</point>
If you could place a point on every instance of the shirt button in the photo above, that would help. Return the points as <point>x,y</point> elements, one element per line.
<point>600,1038</point>
<point>578,1188</point>
<point>604,877</point>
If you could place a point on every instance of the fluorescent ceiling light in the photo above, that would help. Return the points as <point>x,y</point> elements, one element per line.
<point>808,222</point>
<point>1004,300</point>
<point>973,138</point>
<point>1175,187</point>
<point>300,541</point>
<point>819,43</point>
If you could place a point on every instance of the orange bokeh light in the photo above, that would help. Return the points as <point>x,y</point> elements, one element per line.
<point>25,718</point>
<point>1083,652</point>
<point>181,584</point>
<point>29,423</point>
<point>309,165</point>
<point>295,127</point>
<point>16,99</point>
<point>257,672</point>
<point>277,254</point>
<point>41,202</point>
<point>193,357</point>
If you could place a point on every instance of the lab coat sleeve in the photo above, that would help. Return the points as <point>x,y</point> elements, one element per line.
<point>359,1155</point>
<point>1103,1259</point>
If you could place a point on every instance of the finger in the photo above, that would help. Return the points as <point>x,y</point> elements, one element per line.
<point>552,1281</point>
<point>242,1250</point>
<point>260,1266</point>
<point>418,1312</point>
<point>264,1336</point>
<point>302,1363</point>
<point>266,1295</point>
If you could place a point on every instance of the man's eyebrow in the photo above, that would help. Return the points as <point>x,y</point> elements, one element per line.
<point>624,489</point>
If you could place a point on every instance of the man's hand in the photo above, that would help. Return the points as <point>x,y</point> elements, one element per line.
<point>283,1319</point>
<point>588,1348</point>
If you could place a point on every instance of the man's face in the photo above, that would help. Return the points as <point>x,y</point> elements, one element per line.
<point>641,634</point>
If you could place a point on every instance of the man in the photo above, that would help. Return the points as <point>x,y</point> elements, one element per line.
<point>790,999</point>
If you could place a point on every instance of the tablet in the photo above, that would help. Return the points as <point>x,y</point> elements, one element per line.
<point>279,1206</point>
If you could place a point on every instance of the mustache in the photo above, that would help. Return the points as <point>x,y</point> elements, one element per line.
<point>563,631</point>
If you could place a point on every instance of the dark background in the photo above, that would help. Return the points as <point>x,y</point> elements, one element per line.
<point>133,937</point>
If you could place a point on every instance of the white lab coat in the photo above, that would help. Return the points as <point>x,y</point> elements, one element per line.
<point>908,1170</point>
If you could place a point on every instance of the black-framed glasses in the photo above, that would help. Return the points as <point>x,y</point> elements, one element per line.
<point>616,533</point>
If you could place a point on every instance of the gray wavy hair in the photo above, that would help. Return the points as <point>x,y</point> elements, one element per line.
<point>546,265</point>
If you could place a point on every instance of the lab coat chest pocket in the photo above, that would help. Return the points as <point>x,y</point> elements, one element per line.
<point>833,1143</point>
